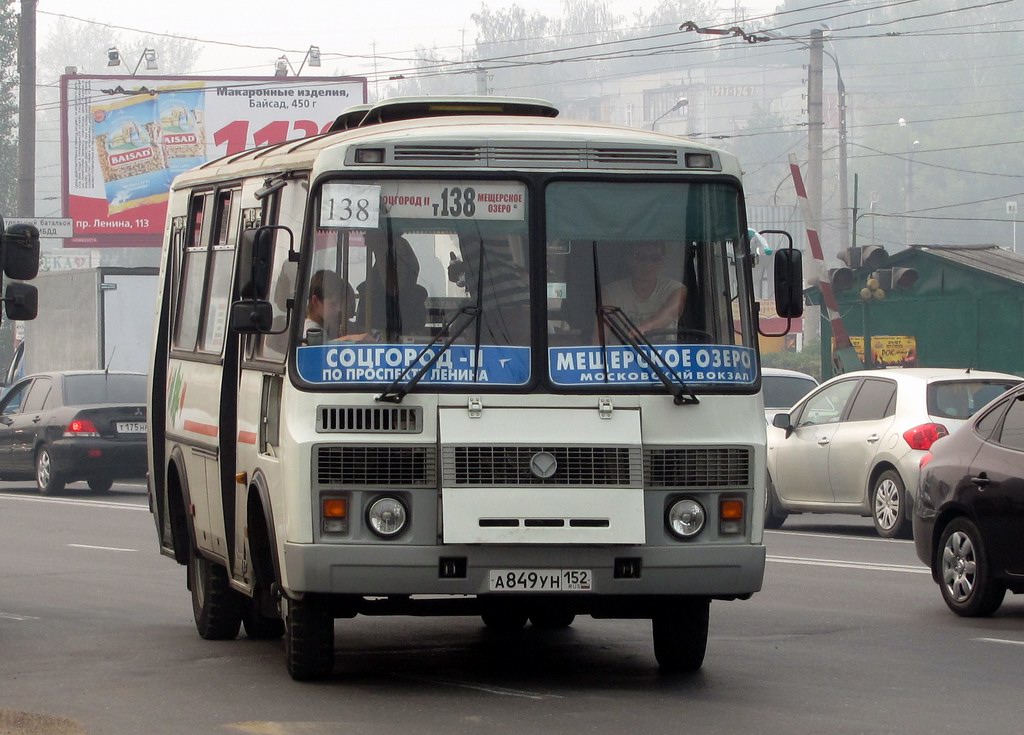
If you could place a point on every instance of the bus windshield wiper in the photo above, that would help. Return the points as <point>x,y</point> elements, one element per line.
<point>626,331</point>
<point>397,390</point>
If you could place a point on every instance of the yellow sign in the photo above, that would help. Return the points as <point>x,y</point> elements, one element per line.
<point>858,346</point>
<point>892,351</point>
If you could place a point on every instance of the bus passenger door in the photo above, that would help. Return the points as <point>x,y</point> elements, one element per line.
<point>255,396</point>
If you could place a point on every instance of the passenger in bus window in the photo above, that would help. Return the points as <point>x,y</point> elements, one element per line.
<point>329,310</point>
<point>651,300</point>
<point>391,300</point>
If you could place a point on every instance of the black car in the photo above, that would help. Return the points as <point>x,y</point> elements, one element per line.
<point>969,520</point>
<point>66,426</point>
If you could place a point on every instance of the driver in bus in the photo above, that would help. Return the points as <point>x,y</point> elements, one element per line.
<point>329,310</point>
<point>651,300</point>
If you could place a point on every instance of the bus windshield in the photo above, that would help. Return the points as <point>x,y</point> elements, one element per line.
<point>393,266</point>
<point>635,266</point>
<point>401,271</point>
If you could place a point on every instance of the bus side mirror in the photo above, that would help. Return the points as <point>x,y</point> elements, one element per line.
<point>21,301</point>
<point>21,252</point>
<point>252,317</point>
<point>255,258</point>
<point>789,283</point>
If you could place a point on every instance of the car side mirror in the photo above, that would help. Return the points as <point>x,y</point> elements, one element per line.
<point>782,421</point>
<point>252,317</point>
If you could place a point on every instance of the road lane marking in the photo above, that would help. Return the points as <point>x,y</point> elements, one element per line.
<point>101,548</point>
<point>1000,640</point>
<point>867,566</point>
<point>500,691</point>
<point>72,501</point>
<point>839,536</point>
<point>20,618</point>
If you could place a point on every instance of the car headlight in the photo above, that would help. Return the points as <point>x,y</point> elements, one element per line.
<point>686,518</point>
<point>387,517</point>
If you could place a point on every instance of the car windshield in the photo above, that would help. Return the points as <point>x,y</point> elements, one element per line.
<point>83,390</point>
<point>783,391</point>
<point>960,399</point>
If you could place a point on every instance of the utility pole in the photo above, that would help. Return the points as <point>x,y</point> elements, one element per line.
<point>844,196</point>
<point>481,80</point>
<point>27,109</point>
<point>814,126</point>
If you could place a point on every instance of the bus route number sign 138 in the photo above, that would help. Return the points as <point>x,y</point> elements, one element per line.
<point>540,580</point>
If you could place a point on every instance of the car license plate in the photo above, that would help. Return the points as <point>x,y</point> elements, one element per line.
<point>131,427</point>
<point>540,580</point>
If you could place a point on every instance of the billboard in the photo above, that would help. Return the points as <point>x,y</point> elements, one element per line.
<point>125,138</point>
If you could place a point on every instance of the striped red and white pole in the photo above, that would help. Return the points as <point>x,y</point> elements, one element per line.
<point>844,357</point>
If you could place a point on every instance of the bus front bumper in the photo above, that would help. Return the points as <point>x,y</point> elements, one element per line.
<point>722,571</point>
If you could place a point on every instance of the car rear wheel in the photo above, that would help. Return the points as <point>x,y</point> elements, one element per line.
<point>681,635</point>
<point>964,575</point>
<point>48,480</point>
<point>216,607</point>
<point>100,484</point>
<point>888,504</point>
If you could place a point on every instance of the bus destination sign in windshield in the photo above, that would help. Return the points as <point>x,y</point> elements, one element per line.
<point>358,206</point>
<point>589,365</point>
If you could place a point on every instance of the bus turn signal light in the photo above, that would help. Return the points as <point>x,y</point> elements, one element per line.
<point>334,515</point>
<point>730,516</point>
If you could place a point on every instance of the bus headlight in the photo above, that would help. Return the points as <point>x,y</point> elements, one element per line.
<point>387,517</point>
<point>686,518</point>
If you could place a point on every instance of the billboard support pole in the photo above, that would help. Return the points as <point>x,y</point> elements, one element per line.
<point>27,109</point>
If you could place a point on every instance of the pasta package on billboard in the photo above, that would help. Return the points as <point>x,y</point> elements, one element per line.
<point>130,155</point>
<point>181,117</point>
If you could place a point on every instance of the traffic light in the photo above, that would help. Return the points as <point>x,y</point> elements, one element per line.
<point>900,279</point>
<point>864,256</point>
<point>841,278</point>
<point>19,255</point>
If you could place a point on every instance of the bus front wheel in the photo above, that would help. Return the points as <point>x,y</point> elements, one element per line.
<point>681,635</point>
<point>308,640</point>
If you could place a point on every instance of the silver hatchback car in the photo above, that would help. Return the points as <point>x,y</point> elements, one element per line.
<point>855,443</point>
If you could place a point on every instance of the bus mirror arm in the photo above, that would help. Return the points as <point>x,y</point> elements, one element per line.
<point>396,391</point>
<point>628,333</point>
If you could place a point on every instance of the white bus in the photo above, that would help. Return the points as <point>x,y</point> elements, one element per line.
<point>459,357</point>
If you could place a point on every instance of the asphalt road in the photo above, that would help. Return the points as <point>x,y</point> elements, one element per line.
<point>849,635</point>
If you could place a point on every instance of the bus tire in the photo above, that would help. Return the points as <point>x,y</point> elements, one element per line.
<point>216,607</point>
<point>308,640</point>
<point>504,621</point>
<point>681,635</point>
<point>774,514</point>
<point>258,626</point>
<point>552,619</point>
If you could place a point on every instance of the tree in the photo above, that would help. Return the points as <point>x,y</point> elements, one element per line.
<point>8,106</point>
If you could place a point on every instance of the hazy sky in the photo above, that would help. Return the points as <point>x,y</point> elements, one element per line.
<point>384,27</point>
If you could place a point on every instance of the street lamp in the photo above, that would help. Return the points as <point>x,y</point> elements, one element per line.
<point>283,65</point>
<point>148,55</point>
<point>680,103</point>
<point>909,188</point>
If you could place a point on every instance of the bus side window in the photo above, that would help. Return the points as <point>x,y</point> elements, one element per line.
<point>218,288</point>
<point>193,274</point>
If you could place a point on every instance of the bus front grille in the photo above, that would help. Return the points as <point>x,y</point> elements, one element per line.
<point>511,465</point>
<point>369,419</point>
<point>698,467</point>
<point>376,466</point>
